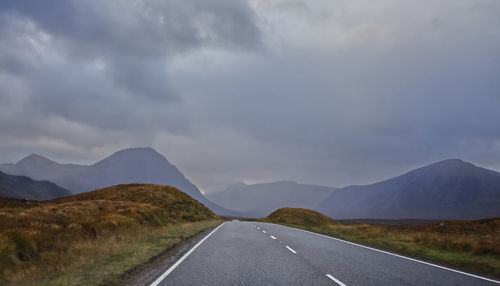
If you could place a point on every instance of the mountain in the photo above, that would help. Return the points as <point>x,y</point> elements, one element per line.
<point>261,199</point>
<point>40,168</point>
<point>134,165</point>
<point>21,187</point>
<point>450,189</point>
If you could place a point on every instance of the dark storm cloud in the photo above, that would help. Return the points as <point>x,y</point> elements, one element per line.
<point>105,64</point>
<point>148,28</point>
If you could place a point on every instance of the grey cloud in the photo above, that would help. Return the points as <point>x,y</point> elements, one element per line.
<point>345,91</point>
<point>104,65</point>
<point>346,115</point>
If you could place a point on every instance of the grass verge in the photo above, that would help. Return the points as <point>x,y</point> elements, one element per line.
<point>110,265</point>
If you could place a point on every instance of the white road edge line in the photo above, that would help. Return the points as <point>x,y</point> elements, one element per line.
<point>158,281</point>
<point>401,256</point>
<point>273,237</point>
<point>335,279</point>
<point>289,248</point>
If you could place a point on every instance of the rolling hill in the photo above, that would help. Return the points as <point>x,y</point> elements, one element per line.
<point>299,217</point>
<point>173,205</point>
<point>21,187</point>
<point>96,237</point>
<point>450,189</point>
<point>134,165</point>
<point>259,200</point>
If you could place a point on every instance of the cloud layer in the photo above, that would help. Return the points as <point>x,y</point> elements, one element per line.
<point>326,92</point>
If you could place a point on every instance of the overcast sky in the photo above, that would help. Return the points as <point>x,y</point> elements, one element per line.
<point>318,91</point>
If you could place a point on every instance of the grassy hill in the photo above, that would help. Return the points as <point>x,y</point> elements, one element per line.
<point>93,238</point>
<point>166,204</point>
<point>469,245</point>
<point>299,216</point>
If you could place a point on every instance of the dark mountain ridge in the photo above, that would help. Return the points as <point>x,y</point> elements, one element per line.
<point>259,200</point>
<point>450,189</point>
<point>21,187</point>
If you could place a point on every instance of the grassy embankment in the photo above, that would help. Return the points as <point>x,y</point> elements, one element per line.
<point>468,245</point>
<point>96,237</point>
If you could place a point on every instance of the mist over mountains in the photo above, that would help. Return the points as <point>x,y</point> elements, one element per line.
<point>134,165</point>
<point>260,200</point>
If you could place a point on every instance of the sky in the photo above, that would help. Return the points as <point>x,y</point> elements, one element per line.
<point>325,92</point>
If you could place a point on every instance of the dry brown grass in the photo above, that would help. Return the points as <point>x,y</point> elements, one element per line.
<point>40,240</point>
<point>469,245</point>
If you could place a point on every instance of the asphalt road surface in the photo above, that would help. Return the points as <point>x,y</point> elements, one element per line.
<point>254,253</point>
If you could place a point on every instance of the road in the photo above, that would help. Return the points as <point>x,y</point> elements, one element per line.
<point>254,253</point>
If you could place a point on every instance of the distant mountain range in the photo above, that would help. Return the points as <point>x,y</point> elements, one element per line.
<point>259,200</point>
<point>21,187</point>
<point>450,189</point>
<point>134,165</point>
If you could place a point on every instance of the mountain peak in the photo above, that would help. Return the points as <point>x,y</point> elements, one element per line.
<point>146,155</point>
<point>34,158</point>
<point>449,165</point>
<point>454,161</point>
<point>137,150</point>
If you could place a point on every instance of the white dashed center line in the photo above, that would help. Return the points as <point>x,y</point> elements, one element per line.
<point>335,280</point>
<point>289,248</point>
<point>294,252</point>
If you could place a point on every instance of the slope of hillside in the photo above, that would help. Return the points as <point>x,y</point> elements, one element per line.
<point>177,204</point>
<point>92,238</point>
<point>134,165</point>
<point>450,189</point>
<point>21,187</point>
<point>259,200</point>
